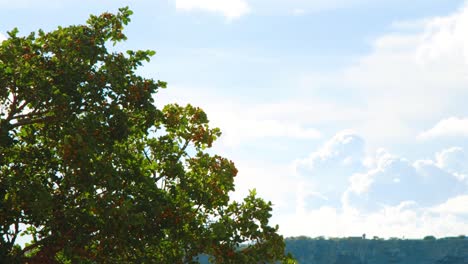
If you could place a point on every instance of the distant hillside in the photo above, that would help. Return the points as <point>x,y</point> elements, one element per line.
<point>357,250</point>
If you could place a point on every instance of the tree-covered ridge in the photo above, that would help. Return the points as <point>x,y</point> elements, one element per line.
<point>358,250</point>
<point>94,172</point>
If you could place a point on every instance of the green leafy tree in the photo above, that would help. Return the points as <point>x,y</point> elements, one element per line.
<point>95,173</point>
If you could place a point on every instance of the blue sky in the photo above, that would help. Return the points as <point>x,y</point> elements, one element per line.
<point>350,116</point>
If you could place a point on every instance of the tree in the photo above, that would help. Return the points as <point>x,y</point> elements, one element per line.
<point>95,173</point>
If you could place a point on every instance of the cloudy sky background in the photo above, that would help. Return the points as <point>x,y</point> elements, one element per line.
<point>350,116</point>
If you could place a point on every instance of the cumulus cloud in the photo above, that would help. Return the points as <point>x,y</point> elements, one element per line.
<point>453,160</point>
<point>325,172</point>
<point>415,75</point>
<point>455,206</point>
<point>340,174</point>
<point>342,191</point>
<point>450,127</point>
<point>395,180</point>
<point>445,38</point>
<point>231,9</point>
<point>429,62</point>
<point>345,149</point>
<point>410,76</point>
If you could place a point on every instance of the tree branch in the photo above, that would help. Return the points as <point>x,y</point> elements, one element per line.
<point>13,240</point>
<point>33,121</point>
<point>182,150</point>
<point>12,108</point>
<point>29,115</point>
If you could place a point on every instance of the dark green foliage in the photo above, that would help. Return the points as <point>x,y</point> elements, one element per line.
<point>98,174</point>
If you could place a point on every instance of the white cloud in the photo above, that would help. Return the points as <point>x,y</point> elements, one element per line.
<point>453,160</point>
<point>345,148</point>
<point>394,180</point>
<point>2,37</point>
<point>241,122</point>
<point>409,79</point>
<point>450,127</point>
<point>456,206</point>
<point>231,9</point>
<point>433,60</point>
<point>326,171</point>
<point>343,175</point>
<point>338,190</point>
<point>380,194</point>
<point>398,78</point>
<point>404,220</point>
<point>414,75</point>
<point>244,123</point>
<point>405,25</point>
<point>445,38</point>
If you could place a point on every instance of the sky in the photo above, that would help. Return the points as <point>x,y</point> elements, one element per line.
<point>349,115</point>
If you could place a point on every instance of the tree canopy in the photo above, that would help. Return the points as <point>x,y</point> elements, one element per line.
<point>94,172</point>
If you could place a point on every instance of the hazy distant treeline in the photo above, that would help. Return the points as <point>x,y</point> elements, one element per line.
<point>359,250</point>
